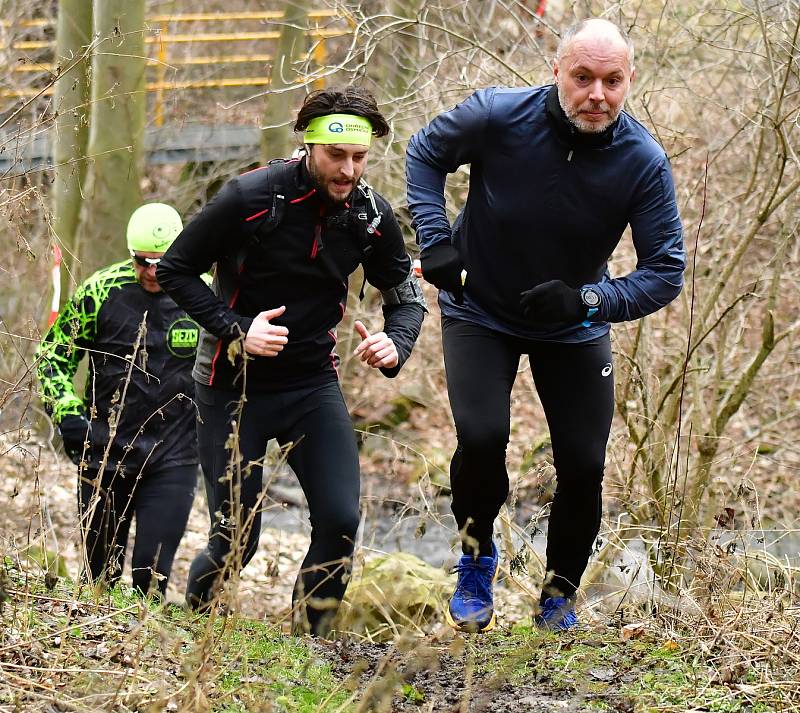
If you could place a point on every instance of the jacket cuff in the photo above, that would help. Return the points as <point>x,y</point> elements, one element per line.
<point>393,371</point>
<point>240,327</point>
<point>69,406</point>
<point>604,310</point>
<point>439,238</point>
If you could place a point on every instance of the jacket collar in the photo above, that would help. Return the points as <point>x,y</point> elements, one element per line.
<point>302,177</point>
<point>569,132</point>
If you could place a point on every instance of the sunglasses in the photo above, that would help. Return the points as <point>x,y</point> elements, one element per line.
<point>146,261</point>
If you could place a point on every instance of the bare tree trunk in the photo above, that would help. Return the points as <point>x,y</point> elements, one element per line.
<point>403,71</point>
<point>116,129</point>
<point>71,129</point>
<point>276,137</point>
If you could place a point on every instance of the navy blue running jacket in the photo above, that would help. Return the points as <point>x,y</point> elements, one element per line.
<point>546,202</point>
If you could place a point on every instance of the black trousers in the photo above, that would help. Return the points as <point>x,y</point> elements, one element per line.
<point>160,500</point>
<point>315,426</point>
<point>576,388</point>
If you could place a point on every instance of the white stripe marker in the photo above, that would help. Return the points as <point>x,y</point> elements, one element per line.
<point>55,274</point>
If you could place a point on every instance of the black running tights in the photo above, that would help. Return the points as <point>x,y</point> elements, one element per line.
<point>314,425</point>
<point>576,387</point>
<point>159,500</point>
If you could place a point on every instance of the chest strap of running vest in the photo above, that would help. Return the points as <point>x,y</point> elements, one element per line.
<point>362,219</point>
<point>279,175</point>
<point>370,226</point>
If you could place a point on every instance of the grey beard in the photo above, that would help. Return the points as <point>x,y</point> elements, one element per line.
<point>585,127</point>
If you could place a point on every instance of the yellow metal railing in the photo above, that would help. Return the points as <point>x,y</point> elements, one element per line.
<point>193,17</point>
<point>162,39</point>
<point>229,59</point>
<point>199,37</point>
<point>244,15</point>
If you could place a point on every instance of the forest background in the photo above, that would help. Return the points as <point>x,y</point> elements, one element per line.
<point>108,104</point>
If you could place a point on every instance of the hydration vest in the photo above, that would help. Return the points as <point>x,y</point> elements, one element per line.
<point>361,217</point>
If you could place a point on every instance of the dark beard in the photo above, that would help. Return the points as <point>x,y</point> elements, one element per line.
<point>322,191</point>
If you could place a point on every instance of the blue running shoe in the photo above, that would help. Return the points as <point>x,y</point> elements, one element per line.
<point>472,604</point>
<point>557,614</point>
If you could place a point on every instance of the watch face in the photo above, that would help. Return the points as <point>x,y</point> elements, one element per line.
<point>590,298</point>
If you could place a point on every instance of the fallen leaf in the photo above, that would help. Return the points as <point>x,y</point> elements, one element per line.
<point>632,631</point>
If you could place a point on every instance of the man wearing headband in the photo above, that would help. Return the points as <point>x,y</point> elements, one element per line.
<point>557,174</point>
<point>285,238</point>
<point>132,432</point>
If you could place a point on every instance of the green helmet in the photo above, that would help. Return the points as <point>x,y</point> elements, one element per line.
<point>153,227</point>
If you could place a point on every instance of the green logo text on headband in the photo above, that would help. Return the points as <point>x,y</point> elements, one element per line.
<point>339,129</point>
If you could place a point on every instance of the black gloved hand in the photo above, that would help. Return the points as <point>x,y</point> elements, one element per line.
<point>553,302</point>
<point>75,430</point>
<point>441,266</point>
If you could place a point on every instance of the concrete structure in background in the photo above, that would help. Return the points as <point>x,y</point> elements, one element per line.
<point>168,144</point>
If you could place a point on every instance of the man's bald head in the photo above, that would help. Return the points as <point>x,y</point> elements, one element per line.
<point>595,29</point>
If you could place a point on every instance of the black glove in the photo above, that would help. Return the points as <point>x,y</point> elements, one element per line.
<point>441,266</point>
<point>553,302</point>
<point>75,431</point>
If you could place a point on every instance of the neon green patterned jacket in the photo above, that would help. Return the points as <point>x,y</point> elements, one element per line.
<point>139,389</point>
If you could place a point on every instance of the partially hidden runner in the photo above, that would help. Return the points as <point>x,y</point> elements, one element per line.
<point>285,238</point>
<point>132,431</point>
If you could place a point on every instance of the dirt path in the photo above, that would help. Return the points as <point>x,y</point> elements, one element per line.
<point>436,677</point>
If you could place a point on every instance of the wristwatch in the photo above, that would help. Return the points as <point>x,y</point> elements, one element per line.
<point>590,297</point>
<point>591,300</point>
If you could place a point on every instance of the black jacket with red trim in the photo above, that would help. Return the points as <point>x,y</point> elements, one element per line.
<point>303,263</point>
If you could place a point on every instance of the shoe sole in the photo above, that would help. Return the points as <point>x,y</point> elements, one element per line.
<point>468,627</point>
